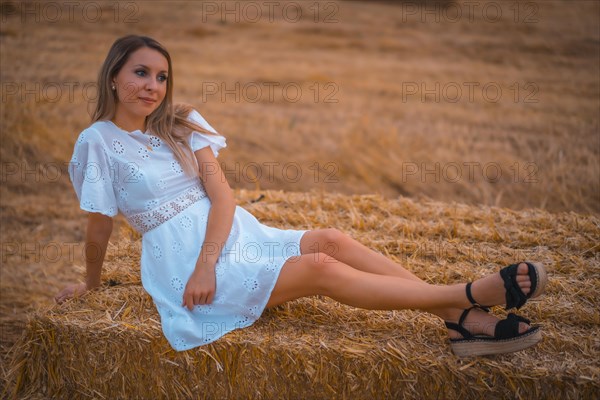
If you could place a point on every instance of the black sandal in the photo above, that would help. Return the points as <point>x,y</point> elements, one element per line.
<point>514,295</point>
<point>506,339</point>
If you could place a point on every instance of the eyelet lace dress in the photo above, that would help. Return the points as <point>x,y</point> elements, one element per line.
<point>135,173</point>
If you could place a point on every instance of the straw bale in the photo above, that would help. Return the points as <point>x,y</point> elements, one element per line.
<point>109,344</point>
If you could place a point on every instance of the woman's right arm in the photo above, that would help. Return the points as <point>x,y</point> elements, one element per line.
<point>99,229</point>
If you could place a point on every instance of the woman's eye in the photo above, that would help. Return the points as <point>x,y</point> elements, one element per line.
<point>162,78</point>
<point>140,72</point>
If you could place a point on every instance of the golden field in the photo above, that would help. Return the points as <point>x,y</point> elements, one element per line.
<point>405,101</point>
<point>109,343</point>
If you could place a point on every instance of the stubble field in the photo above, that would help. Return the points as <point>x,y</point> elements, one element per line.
<point>397,99</point>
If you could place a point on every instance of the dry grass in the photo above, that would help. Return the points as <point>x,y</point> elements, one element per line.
<point>363,143</point>
<point>546,151</point>
<point>109,343</point>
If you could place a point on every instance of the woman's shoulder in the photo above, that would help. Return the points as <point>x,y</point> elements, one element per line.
<point>198,119</point>
<point>96,133</point>
<point>195,116</point>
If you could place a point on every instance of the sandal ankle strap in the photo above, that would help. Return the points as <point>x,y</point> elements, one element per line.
<point>473,301</point>
<point>459,327</point>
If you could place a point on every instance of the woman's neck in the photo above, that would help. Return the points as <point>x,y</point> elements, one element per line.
<point>129,124</point>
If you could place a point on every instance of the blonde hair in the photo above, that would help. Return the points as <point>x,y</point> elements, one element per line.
<point>169,122</point>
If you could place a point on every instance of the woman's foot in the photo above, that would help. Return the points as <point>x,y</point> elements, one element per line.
<point>478,333</point>
<point>477,322</point>
<point>512,286</point>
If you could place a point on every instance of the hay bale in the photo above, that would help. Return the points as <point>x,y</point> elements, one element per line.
<point>109,344</point>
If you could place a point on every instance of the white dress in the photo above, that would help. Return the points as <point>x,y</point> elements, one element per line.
<point>115,171</point>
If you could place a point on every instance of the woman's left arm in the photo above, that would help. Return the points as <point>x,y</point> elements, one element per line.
<point>201,286</point>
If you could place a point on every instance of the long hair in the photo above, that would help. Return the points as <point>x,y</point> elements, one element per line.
<point>169,122</point>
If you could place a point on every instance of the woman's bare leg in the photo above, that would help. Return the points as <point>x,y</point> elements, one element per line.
<point>353,253</point>
<point>318,273</point>
<point>344,250</point>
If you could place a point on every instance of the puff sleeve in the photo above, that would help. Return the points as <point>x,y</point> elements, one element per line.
<point>199,140</point>
<point>90,175</point>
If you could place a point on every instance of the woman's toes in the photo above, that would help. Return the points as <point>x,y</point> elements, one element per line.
<point>523,327</point>
<point>522,269</point>
<point>524,283</point>
<point>490,290</point>
<point>523,279</point>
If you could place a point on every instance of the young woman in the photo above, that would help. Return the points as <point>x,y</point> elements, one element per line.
<point>209,265</point>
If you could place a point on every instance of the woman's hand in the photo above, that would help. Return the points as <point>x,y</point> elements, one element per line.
<point>73,290</point>
<point>200,288</point>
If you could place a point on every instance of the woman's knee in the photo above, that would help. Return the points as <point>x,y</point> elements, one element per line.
<point>330,240</point>
<point>327,240</point>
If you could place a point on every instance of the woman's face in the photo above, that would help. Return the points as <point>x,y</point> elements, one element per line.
<point>141,84</point>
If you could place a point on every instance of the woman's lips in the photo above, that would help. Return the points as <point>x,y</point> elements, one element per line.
<point>147,100</point>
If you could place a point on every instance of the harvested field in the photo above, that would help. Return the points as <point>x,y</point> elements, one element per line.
<point>109,343</point>
<point>452,184</point>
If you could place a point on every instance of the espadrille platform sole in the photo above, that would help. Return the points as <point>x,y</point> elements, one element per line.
<point>482,346</point>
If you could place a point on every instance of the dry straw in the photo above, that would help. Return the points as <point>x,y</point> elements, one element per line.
<point>108,344</point>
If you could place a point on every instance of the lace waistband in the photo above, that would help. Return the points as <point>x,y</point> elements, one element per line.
<point>148,220</point>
